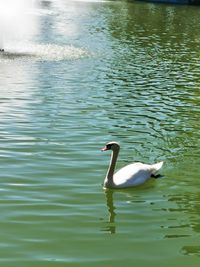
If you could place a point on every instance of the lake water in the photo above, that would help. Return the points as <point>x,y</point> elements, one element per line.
<point>98,71</point>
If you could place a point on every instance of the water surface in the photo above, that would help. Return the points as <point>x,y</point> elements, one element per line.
<point>99,71</point>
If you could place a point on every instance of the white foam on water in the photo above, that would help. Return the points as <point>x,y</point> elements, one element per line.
<point>41,52</point>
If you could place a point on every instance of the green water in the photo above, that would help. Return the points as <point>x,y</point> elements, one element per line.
<point>101,71</point>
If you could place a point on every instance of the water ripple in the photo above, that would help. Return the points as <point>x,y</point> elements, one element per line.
<point>138,85</point>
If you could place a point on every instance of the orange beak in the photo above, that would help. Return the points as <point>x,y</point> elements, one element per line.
<point>104,148</point>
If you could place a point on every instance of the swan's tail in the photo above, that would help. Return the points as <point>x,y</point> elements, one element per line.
<point>156,167</point>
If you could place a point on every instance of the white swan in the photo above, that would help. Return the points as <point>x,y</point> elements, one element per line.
<point>131,175</point>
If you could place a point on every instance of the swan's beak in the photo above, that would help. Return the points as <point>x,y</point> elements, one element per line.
<point>104,148</point>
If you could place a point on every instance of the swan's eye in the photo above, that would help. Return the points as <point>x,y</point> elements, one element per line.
<point>108,147</point>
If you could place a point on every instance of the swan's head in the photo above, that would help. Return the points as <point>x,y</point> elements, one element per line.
<point>111,146</point>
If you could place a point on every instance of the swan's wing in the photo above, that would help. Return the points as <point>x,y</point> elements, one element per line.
<point>132,175</point>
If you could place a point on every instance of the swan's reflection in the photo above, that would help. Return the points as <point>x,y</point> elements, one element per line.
<point>111,227</point>
<point>131,196</point>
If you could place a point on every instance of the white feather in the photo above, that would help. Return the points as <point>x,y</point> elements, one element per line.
<point>131,175</point>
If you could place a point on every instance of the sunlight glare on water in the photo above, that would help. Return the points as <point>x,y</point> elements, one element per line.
<point>17,21</point>
<point>97,71</point>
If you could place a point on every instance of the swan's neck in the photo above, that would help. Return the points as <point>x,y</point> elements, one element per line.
<point>109,177</point>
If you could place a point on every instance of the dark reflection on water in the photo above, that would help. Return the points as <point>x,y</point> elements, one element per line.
<point>181,213</point>
<point>154,72</point>
<point>128,196</point>
<point>191,250</point>
<point>111,227</point>
<point>189,203</point>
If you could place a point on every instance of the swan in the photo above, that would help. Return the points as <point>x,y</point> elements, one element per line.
<point>131,175</point>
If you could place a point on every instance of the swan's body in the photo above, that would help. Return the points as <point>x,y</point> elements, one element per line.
<point>131,175</point>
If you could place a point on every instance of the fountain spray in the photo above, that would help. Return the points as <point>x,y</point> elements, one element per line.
<point>18,22</point>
